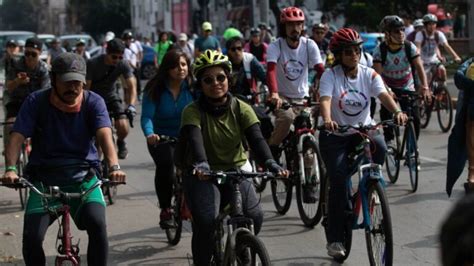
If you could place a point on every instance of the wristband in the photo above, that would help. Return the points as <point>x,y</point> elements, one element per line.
<point>11,168</point>
<point>397,112</point>
<point>114,168</point>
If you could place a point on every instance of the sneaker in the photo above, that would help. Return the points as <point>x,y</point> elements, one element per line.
<point>122,149</point>
<point>309,194</point>
<point>336,250</point>
<point>166,219</point>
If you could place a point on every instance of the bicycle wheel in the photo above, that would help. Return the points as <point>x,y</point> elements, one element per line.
<point>444,108</point>
<point>282,190</point>
<point>173,234</point>
<point>392,160</point>
<point>379,235</point>
<point>309,208</point>
<point>411,155</point>
<point>425,113</point>
<point>250,250</point>
<point>21,164</point>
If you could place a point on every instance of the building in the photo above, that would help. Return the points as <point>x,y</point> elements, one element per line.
<point>52,17</point>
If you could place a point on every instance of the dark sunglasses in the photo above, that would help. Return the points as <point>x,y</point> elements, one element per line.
<point>318,32</point>
<point>211,79</point>
<point>237,48</point>
<point>351,51</point>
<point>398,30</point>
<point>115,57</point>
<point>31,54</point>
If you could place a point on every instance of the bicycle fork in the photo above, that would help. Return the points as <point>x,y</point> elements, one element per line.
<point>301,161</point>
<point>373,173</point>
<point>68,251</point>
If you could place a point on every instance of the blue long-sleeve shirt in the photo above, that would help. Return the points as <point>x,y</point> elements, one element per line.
<point>164,117</point>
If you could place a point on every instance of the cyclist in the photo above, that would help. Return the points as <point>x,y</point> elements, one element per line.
<point>461,139</point>
<point>289,59</point>
<point>319,31</point>
<point>345,90</point>
<point>217,145</point>
<point>163,45</point>
<point>103,72</point>
<point>206,41</point>
<point>246,71</point>
<point>256,47</point>
<point>428,41</point>
<point>418,26</point>
<point>166,95</point>
<point>397,60</point>
<point>63,123</point>
<point>133,53</point>
<point>81,49</point>
<point>27,74</point>
<point>54,50</point>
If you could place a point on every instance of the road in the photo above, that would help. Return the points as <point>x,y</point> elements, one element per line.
<point>135,238</point>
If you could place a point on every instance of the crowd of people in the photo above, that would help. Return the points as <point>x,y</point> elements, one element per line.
<point>200,95</point>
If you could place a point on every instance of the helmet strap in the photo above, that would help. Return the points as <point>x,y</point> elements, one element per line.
<point>392,44</point>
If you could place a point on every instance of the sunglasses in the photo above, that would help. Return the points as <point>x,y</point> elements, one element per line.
<point>401,29</point>
<point>351,51</point>
<point>237,48</point>
<point>115,57</point>
<point>31,54</point>
<point>318,32</point>
<point>209,80</point>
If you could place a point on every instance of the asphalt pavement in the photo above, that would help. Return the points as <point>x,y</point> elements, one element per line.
<point>136,239</point>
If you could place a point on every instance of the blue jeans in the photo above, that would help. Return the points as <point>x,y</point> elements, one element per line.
<point>334,150</point>
<point>205,199</point>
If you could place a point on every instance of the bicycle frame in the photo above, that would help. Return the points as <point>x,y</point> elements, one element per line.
<point>68,251</point>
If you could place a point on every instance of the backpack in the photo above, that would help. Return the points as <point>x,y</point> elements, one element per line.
<point>183,155</point>
<point>407,46</point>
<point>436,37</point>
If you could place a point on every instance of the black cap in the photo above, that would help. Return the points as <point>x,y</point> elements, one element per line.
<point>115,46</point>
<point>11,43</point>
<point>34,43</point>
<point>80,41</point>
<point>69,66</point>
<point>127,35</point>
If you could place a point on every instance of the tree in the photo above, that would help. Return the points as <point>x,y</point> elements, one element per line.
<point>18,15</point>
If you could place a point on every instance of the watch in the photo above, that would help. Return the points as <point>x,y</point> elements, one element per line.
<point>114,168</point>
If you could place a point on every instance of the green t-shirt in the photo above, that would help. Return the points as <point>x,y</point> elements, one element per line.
<point>161,48</point>
<point>223,135</point>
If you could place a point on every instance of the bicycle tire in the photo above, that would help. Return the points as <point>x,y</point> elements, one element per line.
<point>174,234</point>
<point>411,155</point>
<point>250,242</point>
<point>310,213</point>
<point>444,105</point>
<point>425,113</point>
<point>282,190</point>
<point>392,158</point>
<point>347,241</point>
<point>21,165</point>
<point>383,226</point>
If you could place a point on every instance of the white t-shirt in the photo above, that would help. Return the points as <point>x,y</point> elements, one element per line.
<point>350,98</point>
<point>131,56</point>
<point>409,29</point>
<point>292,65</point>
<point>428,51</point>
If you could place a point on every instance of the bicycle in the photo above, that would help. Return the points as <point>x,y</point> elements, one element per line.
<point>241,243</point>
<point>441,102</point>
<point>21,167</point>
<point>179,210</point>
<point>300,155</point>
<point>406,150</point>
<point>367,198</point>
<point>67,251</point>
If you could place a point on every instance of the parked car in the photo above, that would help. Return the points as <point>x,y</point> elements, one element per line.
<point>46,38</point>
<point>149,62</point>
<point>371,40</point>
<point>13,35</point>
<point>69,41</point>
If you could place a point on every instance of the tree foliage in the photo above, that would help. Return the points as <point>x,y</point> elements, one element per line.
<point>18,15</point>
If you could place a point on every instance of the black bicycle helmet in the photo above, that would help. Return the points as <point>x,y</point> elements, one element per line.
<point>390,23</point>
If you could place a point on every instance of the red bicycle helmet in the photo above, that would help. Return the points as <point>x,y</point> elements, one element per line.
<point>290,14</point>
<point>343,38</point>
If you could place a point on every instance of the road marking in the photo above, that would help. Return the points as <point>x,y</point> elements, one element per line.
<point>432,160</point>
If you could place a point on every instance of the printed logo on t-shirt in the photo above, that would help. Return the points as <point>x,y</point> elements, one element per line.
<point>352,102</point>
<point>293,69</point>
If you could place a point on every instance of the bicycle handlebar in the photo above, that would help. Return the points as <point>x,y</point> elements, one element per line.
<point>237,175</point>
<point>360,127</point>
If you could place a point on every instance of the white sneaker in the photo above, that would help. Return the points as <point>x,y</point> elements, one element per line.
<point>336,250</point>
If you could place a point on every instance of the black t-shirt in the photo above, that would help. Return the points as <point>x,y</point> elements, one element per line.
<point>39,78</point>
<point>103,77</point>
<point>257,51</point>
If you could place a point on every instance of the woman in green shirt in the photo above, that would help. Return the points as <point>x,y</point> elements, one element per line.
<point>216,144</point>
<point>162,46</point>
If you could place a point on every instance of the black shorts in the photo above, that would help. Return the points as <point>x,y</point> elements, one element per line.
<point>116,110</point>
<point>13,108</point>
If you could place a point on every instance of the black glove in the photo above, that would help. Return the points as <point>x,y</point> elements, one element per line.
<point>131,112</point>
<point>273,166</point>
